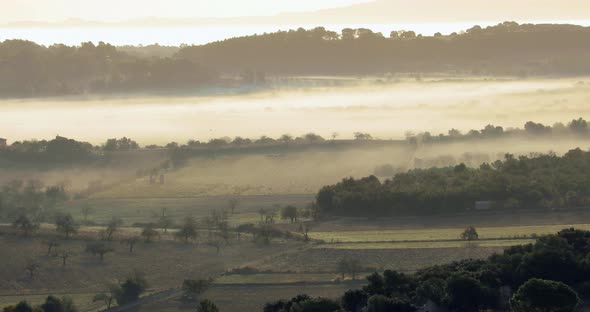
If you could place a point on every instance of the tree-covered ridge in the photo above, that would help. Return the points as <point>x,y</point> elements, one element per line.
<point>551,275</point>
<point>534,182</point>
<point>508,48</point>
<point>28,69</point>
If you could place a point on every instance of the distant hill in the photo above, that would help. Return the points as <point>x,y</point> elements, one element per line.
<point>508,48</point>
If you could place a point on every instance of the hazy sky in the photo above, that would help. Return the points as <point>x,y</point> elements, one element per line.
<point>116,10</point>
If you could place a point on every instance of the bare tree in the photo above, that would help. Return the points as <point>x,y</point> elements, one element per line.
<point>64,255</point>
<point>86,211</point>
<point>25,225</point>
<point>51,243</point>
<point>31,267</point>
<point>233,204</point>
<point>65,224</point>
<point>99,249</point>
<point>149,233</point>
<point>216,243</point>
<point>130,242</point>
<point>112,227</point>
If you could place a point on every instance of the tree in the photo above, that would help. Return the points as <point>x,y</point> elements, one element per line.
<point>289,213</point>
<point>360,136</point>
<point>544,296</point>
<point>469,234</point>
<point>86,211</point>
<point>51,243</point>
<point>149,233</point>
<point>99,249</point>
<point>192,289</point>
<point>207,305</point>
<point>31,267</point>
<point>112,227</point>
<point>262,213</point>
<point>354,300</point>
<point>25,225</point>
<point>54,304</point>
<point>165,223</point>
<point>380,303</point>
<point>131,289</point>
<point>131,242</point>
<point>233,204</point>
<point>65,224</point>
<point>215,243</point>
<point>466,293</point>
<point>64,255</point>
<point>349,266</point>
<point>109,296</point>
<point>22,306</point>
<point>315,305</point>
<point>188,231</point>
<point>432,289</point>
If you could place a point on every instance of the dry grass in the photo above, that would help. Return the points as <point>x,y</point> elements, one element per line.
<point>406,235</point>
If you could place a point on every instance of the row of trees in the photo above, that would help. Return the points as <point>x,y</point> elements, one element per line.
<point>545,276</point>
<point>507,48</point>
<point>535,182</point>
<point>577,127</point>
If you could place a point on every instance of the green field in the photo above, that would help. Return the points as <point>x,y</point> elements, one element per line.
<point>278,278</point>
<point>409,235</point>
<point>434,244</point>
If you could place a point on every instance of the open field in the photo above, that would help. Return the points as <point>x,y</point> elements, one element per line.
<point>166,264</point>
<point>324,260</point>
<point>405,235</point>
<point>433,244</point>
<point>251,297</point>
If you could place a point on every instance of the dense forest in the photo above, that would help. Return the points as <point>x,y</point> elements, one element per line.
<point>28,69</point>
<point>550,275</point>
<point>535,182</point>
<point>505,49</point>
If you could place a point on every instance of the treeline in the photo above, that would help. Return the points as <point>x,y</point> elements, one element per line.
<point>550,275</point>
<point>577,128</point>
<point>505,49</point>
<point>535,182</point>
<point>28,69</point>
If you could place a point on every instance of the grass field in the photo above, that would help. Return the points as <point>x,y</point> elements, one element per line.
<point>149,209</point>
<point>250,297</point>
<point>434,244</point>
<point>408,235</point>
<point>275,278</point>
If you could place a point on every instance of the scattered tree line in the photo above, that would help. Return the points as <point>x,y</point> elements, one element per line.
<point>548,275</point>
<point>575,128</point>
<point>544,181</point>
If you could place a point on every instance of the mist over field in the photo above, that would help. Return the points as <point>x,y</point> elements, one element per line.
<point>387,110</point>
<point>303,170</point>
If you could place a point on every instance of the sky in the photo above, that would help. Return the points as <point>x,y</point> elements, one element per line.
<point>120,10</point>
<point>293,11</point>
